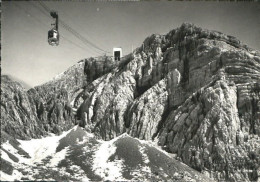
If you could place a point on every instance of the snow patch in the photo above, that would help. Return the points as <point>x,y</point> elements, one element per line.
<point>85,138</point>
<point>108,170</point>
<point>15,175</point>
<point>84,180</point>
<point>7,146</point>
<point>39,149</point>
<point>56,158</point>
<point>5,156</point>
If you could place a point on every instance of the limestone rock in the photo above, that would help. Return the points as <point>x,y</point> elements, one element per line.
<point>195,91</point>
<point>106,106</point>
<point>146,112</point>
<point>17,116</point>
<point>198,91</point>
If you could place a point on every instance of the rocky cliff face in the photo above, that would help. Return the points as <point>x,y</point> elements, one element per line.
<point>17,116</point>
<point>195,91</point>
<point>51,107</point>
<point>45,108</point>
<point>54,101</point>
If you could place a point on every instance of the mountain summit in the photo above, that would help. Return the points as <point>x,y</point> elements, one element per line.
<point>193,91</point>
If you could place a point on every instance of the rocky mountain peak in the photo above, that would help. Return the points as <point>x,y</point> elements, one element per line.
<point>194,91</point>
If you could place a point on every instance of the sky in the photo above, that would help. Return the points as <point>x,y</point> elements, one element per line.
<point>27,56</point>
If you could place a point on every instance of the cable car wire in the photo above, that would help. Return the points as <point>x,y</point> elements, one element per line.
<point>66,28</point>
<point>74,32</point>
<point>45,25</point>
<point>80,36</point>
<point>79,26</point>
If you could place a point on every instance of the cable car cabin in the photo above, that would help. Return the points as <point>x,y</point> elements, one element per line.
<point>53,37</point>
<point>53,34</point>
<point>117,53</point>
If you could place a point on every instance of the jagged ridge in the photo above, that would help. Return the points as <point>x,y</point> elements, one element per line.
<point>191,88</point>
<point>189,65</point>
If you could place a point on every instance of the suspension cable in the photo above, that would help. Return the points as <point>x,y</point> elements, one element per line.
<point>44,24</point>
<point>73,31</point>
<point>48,15</point>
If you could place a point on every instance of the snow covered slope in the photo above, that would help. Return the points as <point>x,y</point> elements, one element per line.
<point>76,155</point>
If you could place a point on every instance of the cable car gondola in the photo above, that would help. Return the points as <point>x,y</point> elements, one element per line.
<point>53,34</point>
